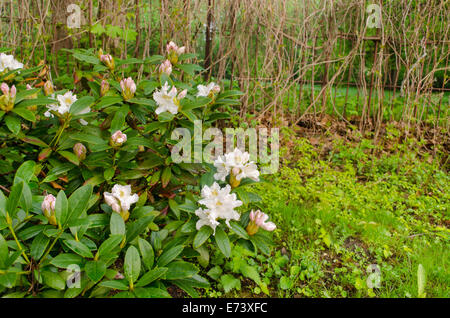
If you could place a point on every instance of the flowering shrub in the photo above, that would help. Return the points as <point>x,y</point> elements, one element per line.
<point>91,202</point>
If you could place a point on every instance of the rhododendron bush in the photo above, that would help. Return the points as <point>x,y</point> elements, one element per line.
<point>92,203</point>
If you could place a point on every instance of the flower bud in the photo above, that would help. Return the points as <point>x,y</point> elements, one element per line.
<point>8,98</point>
<point>48,88</point>
<point>108,60</point>
<point>48,207</point>
<point>80,151</point>
<point>128,88</point>
<point>165,67</point>
<point>104,87</point>
<point>13,92</point>
<point>5,89</point>
<point>258,219</point>
<point>182,94</point>
<point>216,89</point>
<point>118,139</point>
<point>173,52</point>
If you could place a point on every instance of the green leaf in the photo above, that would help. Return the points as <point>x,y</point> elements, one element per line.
<point>79,248</point>
<point>25,172</point>
<point>148,256</point>
<point>114,284</point>
<point>189,115</point>
<point>38,246</point>
<point>189,104</point>
<point>70,156</point>
<point>110,244</point>
<point>119,118</point>
<point>13,124</point>
<point>61,208</point>
<point>35,102</point>
<point>25,114</point>
<point>174,207</point>
<point>66,259</point>
<point>117,225</point>
<point>239,230</point>
<point>78,202</point>
<point>151,276</point>
<point>229,282</point>
<point>202,235</point>
<point>190,68</point>
<point>165,176</point>
<point>3,251</point>
<point>53,280</point>
<point>106,101</point>
<point>223,242</point>
<point>151,292</point>
<point>14,197</point>
<point>169,255</point>
<point>132,266</point>
<point>180,269</point>
<point>95,270</point>
<point>26,199</point>
<point>90,139</point>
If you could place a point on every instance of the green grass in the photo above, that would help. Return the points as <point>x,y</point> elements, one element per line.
<point>340,213</point>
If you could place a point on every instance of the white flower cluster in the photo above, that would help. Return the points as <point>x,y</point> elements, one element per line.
<point>120,199</point>
<point>8,62</point>
<point>236,162</point>
<point>65,101</point>
<point>205,91</point>
<point>168,100</point>
<point>220,204</point>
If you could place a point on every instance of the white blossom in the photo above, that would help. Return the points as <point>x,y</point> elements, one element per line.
<point>220,204</point>
<point>120,199</point>
<point>7,62</point>
<point>168,100</point>
<point>206,90</point>
<point>237,163</point>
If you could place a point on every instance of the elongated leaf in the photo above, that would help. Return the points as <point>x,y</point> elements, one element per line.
<point>223,242</point>
<point>95,270</point>
<point>202,235</point>
<point>132,266</point>
<point>79,248</point>
<point>148,256</point>
<point>61,208</point>
<point>169,255</point>
<point>151,276</point>
<point>38,246</point>
<point>78,202</point>
<point>180,269</point>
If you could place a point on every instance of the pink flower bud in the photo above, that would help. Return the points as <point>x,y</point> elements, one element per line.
<point>80,151</point>
<point>182,94</point>
<point>258,219</point>
<point>118,139</point>
<point>13,92</point>
<point>171,47</point>
<point>216,89</point>
<point>29,87</point>
<point>128,88</point>
<point>104,87</point>
<point>166,67</point>
<point>48,205</point>
<point>5,89</point>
